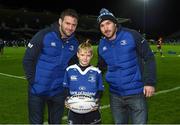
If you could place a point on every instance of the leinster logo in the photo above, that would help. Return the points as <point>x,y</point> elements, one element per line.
<point>123,42</point>
<point>71,48</point>
<point>92,78</point>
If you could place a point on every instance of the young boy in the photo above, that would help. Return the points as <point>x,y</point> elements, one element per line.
<point>83,75</point>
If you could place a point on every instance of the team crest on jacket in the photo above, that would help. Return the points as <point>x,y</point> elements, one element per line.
<point>71,48</point>
<point>53,44</point>
<point>123,42</point>
<point>92,78</point>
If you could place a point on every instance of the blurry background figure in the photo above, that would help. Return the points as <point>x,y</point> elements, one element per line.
<point>1,46</point>
<point>159,46</point>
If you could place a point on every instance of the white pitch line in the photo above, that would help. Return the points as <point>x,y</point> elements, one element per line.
<point>13,76</point>
<point>104,106</point>
<point>157,93</point>
<point>166,91</point>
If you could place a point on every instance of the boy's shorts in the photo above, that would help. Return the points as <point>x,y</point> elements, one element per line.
<point>88,118</point>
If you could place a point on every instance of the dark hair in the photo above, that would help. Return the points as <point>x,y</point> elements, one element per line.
<point>69,12</point>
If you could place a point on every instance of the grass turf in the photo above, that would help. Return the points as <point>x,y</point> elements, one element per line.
<point>163,108</point>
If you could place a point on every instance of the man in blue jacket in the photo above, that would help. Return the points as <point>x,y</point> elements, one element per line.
<point>45,62</point>
<point>131,69</point>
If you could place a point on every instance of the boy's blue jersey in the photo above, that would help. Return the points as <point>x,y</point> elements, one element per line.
<point>88,81</point>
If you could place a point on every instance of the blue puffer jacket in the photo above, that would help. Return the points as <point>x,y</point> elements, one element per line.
<point>46,59</point>
<point>124,72</point>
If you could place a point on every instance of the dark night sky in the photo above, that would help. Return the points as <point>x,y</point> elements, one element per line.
<point>156,17</point>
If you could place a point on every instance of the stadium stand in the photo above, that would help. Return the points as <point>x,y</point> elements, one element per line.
<point>22,24</point>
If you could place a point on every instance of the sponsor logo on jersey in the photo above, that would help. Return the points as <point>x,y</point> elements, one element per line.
<point>73,78</point>
<point>82,88</point>
<point>82,92</point>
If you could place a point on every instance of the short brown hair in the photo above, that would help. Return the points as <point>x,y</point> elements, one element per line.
<point>69,12</point>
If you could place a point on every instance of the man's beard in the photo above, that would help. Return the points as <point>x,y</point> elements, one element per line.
<point>111,36</point>
<point>64,32</point>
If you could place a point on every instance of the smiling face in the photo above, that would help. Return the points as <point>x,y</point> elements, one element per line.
<point>84,56</point>
<point>108,29</point>
<point>67,26</point>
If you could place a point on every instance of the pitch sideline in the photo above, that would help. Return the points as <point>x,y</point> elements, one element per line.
<point>12,76</point>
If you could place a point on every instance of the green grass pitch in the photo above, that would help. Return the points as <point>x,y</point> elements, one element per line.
<point>163,106</point>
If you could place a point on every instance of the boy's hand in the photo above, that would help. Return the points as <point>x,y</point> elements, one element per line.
<point>96,106</point>
<point>65,103</point>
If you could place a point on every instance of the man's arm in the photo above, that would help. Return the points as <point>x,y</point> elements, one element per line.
<point>101,64</point>
<point>31,56</point>
<point>147,63</point>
